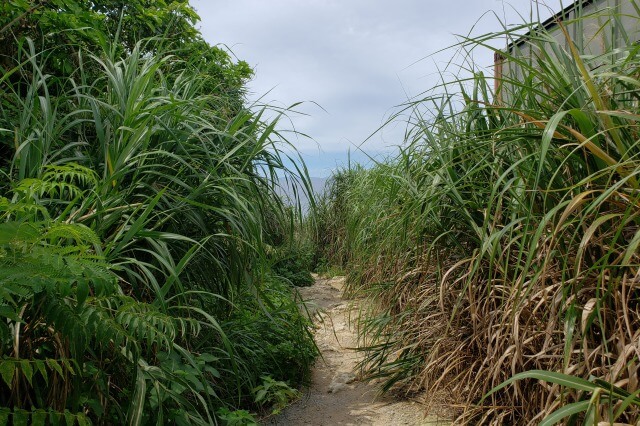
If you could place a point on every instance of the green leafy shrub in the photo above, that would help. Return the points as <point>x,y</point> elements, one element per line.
<point>132,222</point>
<point>293,263</point>
<point>274,394</point>
<point>272,336</point>
<point>236,417</point>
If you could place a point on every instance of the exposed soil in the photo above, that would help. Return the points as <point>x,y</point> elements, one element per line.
<point>336,395</point>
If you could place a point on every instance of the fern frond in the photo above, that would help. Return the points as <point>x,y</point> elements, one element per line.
<point>21,209</point>
<point>77,232</point>
<point>41,416</point>
<point>71,173</point>
<point>60,183</point>
<point>147,323</point>
<point>31,369</point>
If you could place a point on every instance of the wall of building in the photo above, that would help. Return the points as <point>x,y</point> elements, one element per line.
<point>604,23</point>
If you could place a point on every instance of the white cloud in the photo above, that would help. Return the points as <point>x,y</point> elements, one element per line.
<point>351,57</point>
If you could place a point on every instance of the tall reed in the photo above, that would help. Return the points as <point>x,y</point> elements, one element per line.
<point>502,241</point>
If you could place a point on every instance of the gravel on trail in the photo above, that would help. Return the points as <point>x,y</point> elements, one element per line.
<point>336,396</point>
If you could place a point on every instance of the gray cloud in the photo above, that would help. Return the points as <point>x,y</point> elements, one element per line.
<point>351,57</point>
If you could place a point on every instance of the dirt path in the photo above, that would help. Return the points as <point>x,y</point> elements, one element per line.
<point>336,396</point>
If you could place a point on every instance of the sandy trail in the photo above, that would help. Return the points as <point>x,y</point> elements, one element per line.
<point>336,396</point>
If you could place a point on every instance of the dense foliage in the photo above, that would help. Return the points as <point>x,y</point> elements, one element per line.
<point>63,30</point>
<point>294,262</point>
<point>136,283</point>
<point>500,248</point>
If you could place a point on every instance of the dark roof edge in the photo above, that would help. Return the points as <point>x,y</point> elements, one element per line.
<point>550,22</point>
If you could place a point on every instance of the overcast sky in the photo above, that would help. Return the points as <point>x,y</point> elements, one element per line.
<point>351,61</point>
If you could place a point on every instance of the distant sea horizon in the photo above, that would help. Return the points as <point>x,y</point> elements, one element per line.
<point>287,191</point>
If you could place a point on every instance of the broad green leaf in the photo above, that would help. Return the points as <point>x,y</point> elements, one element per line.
<point>82,420</point>
<point>82,292</point>
<point>53,364</point>
<point>39,417</point>
<point>566,380</point>
<point>27,370</point>
<point>260,395</point>
<point>69,418</point>
<point>20,417</point>
<point>42,368</point>
<point>567,410</point>
<point>67,364</point>
<point>56,418</point>
<point>7,371</point>
<point>7,312</point>
<point>4,416</point>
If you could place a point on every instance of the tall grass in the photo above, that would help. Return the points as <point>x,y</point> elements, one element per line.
<point>502,242</point>
<point>135,282</point>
